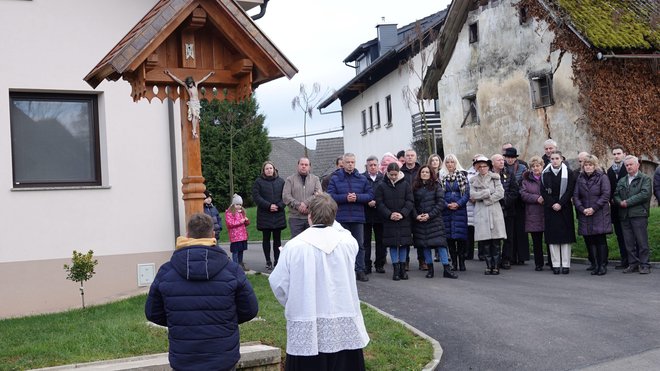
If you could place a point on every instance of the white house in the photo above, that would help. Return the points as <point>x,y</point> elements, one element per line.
<point>378,115</point>
<point>80,168</point>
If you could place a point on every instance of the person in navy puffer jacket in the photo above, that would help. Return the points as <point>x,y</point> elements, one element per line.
<point>352,191</point>
<point>201,296</point>
<point>457,194</point>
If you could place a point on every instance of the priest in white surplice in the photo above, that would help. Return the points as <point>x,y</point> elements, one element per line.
<point>315,282</point>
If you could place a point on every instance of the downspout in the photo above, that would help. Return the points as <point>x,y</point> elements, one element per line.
<point>262,11</point>
<point>174,182</point>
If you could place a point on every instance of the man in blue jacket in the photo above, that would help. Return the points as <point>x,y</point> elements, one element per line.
<point>352,191</point>
<point>201,296</point>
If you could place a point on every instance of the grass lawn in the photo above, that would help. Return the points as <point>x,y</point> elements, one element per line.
<point>119,330</point>
<point>580,250</point>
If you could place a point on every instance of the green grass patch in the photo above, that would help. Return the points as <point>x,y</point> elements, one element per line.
<point>119,330</point>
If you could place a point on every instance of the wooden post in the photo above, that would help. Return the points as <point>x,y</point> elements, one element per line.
<point>192,182</point>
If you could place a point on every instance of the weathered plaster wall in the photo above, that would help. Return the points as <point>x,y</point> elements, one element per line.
<point>496,70</point>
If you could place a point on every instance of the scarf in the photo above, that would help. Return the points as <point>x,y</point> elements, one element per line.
<point>564,177</point>
<point>456,176</point>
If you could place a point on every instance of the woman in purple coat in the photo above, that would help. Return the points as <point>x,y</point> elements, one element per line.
<point>591,199</point>
<point>530,193</point>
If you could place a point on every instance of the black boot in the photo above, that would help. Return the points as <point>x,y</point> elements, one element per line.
<point>448,273</point>
<point>595,262</point>
<point>402,272</point>
<point>396,267</point>
<point>461,263</point>
<point>454,257</point>
<point>430,272</point>
<point>602,256</point>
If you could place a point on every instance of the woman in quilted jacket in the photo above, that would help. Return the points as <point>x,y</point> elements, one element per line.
<point>236,221</point>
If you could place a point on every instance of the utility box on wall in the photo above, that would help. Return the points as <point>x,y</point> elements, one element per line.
<point>146,274</point>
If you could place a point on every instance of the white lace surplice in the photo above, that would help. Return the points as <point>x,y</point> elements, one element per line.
<point>315,281</point>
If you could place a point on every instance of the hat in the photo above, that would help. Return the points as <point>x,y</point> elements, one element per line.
<point>207,194</point>
<point>510,152</point>
<point>236,200</point>
<point>482,159</point>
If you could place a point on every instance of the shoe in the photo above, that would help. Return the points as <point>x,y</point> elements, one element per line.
<point>620,266</point>
<point>594,272</point>
<point>461,264</point>
<point>555,271</point>
<point>360,276</point>
<point>592,267</point>
<point>602,270</point>
<point>380,270</point>
<point>631,269</point>
<point>448,273</point>
<point>521,262</point>
<point>430,272</point>
<point>644,270</point>
<point>538,268</point>
<point>245,268</point>
<point>423,266</point>
<point>396,268</point>
<point>505,264</point>
<point>565,271</point>
<point>495,271</point>
<point>368,270</point>
<point>402,272</point>
<point>487,272</point>
<point>269,266</point>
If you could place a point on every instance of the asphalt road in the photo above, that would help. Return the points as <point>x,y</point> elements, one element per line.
<point>522,319</point>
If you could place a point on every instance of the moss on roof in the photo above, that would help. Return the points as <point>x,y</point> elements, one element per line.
<point>616,24</point>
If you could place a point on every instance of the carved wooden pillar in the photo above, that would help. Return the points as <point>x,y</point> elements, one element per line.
<point>192,182</point>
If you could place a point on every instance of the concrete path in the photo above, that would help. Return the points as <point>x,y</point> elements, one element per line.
<point>522,319</point>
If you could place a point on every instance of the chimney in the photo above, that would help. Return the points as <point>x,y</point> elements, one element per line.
<point>388,37</point>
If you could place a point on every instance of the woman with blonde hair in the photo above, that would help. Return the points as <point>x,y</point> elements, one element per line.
<point>530,193</point>
<point>455,184</point>
<point>591,199</point>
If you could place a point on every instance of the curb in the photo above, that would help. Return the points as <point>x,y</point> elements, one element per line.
<point>437,348</point>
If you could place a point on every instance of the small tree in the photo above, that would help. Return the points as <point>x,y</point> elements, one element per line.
<point>81,270</point>
<point>307,101</point>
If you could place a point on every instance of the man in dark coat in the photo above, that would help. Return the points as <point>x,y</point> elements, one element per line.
<point>614,173</point>
<point>373,221</point>
<point>201,296</point>
<point>351,191</point>
<point>410,168</point>
<point>515,248</point>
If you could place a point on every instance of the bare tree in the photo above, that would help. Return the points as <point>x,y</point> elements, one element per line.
<point>422,44</point>
<point>307,101</point>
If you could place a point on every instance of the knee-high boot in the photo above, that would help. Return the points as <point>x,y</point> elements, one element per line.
<point>402,271</point>
<point>453,254</point>
<point>430,272</point>
<point>396,267</point>
<point>595,264</point>
<point>461,258</point>
<point>602,256</point>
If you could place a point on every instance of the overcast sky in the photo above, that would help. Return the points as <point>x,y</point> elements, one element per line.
<point>316,36</point>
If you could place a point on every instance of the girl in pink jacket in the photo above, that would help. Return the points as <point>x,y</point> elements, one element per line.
<point>236,221</point>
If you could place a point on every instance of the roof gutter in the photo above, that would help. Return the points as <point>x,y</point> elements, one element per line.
<point>601,57</point>
<point>262,11</point>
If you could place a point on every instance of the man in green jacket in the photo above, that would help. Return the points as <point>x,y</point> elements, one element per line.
<point>633,196</point>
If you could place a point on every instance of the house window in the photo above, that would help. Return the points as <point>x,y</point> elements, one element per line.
<point>388,107</point>
<point>377,115</point>
<point>522,15</point>
<point>541,86</point>
<point>470,116</point>
<point>371,118</point>
<point>364,122</point>
<point>474,32</point>
<point>55,140</point>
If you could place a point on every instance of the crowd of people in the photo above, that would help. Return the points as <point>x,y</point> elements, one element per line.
<point>499,202</point>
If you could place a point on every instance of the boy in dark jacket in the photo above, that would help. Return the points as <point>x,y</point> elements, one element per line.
<point>201,296</point>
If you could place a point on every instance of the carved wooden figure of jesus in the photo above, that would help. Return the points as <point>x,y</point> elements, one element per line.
<point>194,106</point>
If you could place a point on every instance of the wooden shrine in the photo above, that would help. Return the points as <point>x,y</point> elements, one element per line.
<point>182,46</point>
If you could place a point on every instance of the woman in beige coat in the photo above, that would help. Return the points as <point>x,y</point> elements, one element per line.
<point>485,192</point>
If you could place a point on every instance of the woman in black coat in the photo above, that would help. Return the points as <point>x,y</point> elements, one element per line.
<point>394,201</point>
<point>267,194</point>
<point>558,183</point>
<point>428,224</point>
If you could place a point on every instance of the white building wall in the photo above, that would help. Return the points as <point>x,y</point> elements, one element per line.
<point>496,69</point>
<point>51,46</point>
<point>384,139</point>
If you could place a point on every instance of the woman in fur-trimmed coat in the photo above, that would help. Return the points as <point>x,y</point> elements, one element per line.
<point>486,191</point>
